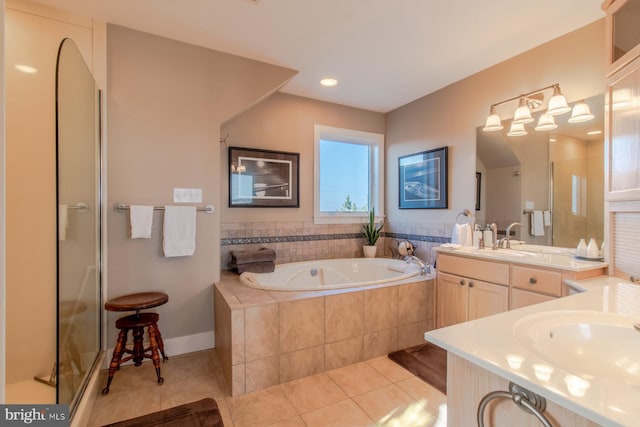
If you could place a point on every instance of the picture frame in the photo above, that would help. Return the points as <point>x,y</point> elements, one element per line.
<point>478,189</point>
<point>263,178</point>
<point>423,180</point>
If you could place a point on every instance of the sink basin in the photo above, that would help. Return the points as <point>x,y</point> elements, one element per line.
<point>589,344</point>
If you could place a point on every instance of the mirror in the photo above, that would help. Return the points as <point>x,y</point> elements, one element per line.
<point>78,198</point>
<point>560,171</point>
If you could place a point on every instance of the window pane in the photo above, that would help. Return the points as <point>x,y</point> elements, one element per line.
<point>344,176</point>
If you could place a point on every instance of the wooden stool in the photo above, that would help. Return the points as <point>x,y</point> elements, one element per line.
<point>136,323</point>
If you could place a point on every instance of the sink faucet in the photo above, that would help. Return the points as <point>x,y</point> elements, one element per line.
<point>424,268</point>
<point>508,232</point>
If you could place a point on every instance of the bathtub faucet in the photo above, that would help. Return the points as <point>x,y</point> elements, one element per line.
<point>424,268</point>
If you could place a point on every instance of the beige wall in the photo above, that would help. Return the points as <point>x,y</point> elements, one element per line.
<point>450,116</point>
<point>285,123</point>
<point>166,102</point>
<point>2,209</point>
<point>31,186</point>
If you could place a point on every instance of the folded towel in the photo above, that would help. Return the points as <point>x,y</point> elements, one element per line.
<point>63,221</point>
<point>179,231</point>
<point>462,234</point>
<point>254,267</point>
<point>141,221</point>
<point>537,223</point>
<point>248,256</point>
<point>547,218</point>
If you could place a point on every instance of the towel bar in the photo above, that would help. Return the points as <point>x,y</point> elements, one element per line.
<point>120,207</point>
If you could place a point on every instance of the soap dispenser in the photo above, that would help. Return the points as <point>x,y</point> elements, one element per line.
<point>477,237</point>
<point>487,237</point>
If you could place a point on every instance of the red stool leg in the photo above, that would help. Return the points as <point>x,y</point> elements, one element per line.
<point>155,357</point>
<point>117,355</point>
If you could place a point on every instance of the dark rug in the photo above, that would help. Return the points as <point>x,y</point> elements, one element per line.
<point>427,361</point>
<point>203,413</point>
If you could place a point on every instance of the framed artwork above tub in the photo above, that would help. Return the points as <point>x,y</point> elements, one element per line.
<point>423,180</point>
<point>263,178</point>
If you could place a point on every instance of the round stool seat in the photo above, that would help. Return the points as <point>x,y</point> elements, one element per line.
<point>141,320</point>
<point>136,302</point>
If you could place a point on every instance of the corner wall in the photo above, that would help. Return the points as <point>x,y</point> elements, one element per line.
<point>166,102</point>
<point>449,117</point>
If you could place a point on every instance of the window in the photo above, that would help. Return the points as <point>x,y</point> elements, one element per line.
<point>348,175</point>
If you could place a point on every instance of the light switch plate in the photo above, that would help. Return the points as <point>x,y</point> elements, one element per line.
<point>529,205</point>
<point>187,195</point>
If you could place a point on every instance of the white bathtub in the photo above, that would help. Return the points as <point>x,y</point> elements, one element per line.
<point>333,274</point>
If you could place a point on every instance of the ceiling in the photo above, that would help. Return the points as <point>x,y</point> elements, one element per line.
<point>384,53</point>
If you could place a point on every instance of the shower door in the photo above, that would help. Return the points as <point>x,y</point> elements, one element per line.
<point>78,198</point>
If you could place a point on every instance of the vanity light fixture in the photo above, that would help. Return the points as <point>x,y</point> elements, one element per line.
<point>531,101</point>
<point>581,113</point>
<point>517,129</point>
<point>27,69</point>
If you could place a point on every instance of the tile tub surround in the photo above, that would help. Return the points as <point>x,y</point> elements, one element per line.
<point>264,338</point>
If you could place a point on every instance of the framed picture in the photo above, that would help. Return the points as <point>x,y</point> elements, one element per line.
<point>423,180</point>
<point>263,178</point>
<point>478,189</point>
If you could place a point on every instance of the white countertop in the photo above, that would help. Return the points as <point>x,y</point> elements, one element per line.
<point>561,258</point>
<point>491,343</point>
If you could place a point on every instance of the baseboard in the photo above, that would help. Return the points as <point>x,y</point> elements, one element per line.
<point>178,345</point>
<point>84,406</point>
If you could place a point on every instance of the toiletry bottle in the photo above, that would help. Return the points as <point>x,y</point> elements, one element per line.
<point>487,236</point>
<point>592,249</point>
<point>477,237</point>
<point>581,250</point>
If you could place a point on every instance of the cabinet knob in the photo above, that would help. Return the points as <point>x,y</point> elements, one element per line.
<point>471,284</point>
<point>634,279</point>
<point>461,282</point>
<point>533,280</point>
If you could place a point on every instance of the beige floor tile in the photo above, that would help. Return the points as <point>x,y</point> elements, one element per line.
<point>390,369</point>
<point>357,379</point>
<point>309,393</point>
<point>292,422</point>
<point>190,390</point>
<point>260,408</point>
<point>182,367</point>
<point>428,396</point>
<point>342,414</point>
<point>390,406</point>
<point>122,406</point>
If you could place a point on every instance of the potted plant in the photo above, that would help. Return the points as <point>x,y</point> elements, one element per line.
<point>371,232</point>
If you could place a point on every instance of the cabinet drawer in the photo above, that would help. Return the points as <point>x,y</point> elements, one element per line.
<point>537,280</point>
<point>521,298</point>
<point>488,271</point>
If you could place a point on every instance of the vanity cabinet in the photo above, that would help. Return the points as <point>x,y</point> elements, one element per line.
<point>463,295</point>
<point>533,285</point>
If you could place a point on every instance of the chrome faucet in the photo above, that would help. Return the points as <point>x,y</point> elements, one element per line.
<point>424,268</point>
<point>508,232</point>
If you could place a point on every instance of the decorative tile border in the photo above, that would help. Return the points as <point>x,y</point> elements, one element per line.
<point>319,237</point>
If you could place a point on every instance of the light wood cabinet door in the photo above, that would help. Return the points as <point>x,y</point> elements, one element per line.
<point>623,138</point>
<point>486,299</point>
<point>452,294</point>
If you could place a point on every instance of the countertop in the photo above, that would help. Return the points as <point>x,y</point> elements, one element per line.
<point>493,344</point>
<point>561,258</point>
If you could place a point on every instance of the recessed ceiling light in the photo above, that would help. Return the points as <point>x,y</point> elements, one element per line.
<point>26,69</point>
<point>552,140</point>
<point>594,132</point>
<point>328,82</point>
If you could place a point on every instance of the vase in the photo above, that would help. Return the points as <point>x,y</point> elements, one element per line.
<point>369,251</point>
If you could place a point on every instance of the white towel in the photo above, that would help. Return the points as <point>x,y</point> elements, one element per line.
<point>537,223</point>
<point>63,221</point>
<point>141,221</point>
<point>547,218</point>
<point>462,234</point>
<point>179,231</point>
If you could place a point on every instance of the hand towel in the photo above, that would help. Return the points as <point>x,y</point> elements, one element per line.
<point>462,234</point>
<point>547,218</point>
<point>63,221</point>
<point>249,256</point>
<point>537,223</point>
<point>141,221</point>
<point>179,231</point>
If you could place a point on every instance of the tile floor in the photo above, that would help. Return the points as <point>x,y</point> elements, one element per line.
<point>377,392</point>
